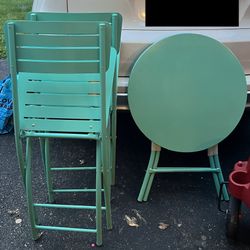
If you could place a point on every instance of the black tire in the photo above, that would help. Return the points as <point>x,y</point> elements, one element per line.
<point>232,220</point>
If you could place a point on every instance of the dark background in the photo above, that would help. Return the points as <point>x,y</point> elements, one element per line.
<point>192,13</point>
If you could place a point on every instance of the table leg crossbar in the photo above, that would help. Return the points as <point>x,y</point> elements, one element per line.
<point>153,168</point>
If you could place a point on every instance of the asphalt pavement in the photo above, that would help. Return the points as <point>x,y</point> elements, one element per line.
<point>181,212</point>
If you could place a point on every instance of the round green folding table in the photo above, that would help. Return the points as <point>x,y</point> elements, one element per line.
<point>186,93</point>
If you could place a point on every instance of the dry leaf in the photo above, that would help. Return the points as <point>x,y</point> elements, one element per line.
<point>163,226</point>
<point>132,222</point>
<point>14,213</point>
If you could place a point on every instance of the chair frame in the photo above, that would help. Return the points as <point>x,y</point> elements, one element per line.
<point>107,57</point>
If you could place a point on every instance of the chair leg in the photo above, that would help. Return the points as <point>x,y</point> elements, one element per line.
<point>20,157</point>
<point>98,195</point>
<point>107,196</point>
<point>107,180</point>
<point>42,148</point>
<point>108,157</point>
<point>114,122</point>
<point>31,209</point>
<point>48,171</point>
<point>113,143</point>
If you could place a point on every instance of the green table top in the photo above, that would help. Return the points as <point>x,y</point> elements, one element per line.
<point>187,92</point>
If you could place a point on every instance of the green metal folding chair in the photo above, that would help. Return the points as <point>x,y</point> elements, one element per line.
<point>115,19</point>
<point>193,90</point>
<point>63,74</point>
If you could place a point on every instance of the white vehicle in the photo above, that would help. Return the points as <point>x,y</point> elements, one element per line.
<point>136,37</point>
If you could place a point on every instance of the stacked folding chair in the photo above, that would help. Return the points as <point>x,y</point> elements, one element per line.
<point>64,76</point>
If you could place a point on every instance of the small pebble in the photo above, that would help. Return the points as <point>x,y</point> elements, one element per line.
<point>18,221</point>
<point>203,237</point>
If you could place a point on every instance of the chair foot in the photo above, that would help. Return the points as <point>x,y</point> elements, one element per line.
<point>98,245</point>
<point>99,239</point>
<point>109,225</point>
<point>109,221</point>
<point>36,235</point>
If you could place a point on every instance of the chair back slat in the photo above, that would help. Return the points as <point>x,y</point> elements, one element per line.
<point>67,87</point>
<point>59,53</point>
<point>46,111</point>
<point>57,66</point>
<point>79,100</point>
<point>57,41</point>
<point>114,18</point>
<point>53,27</point>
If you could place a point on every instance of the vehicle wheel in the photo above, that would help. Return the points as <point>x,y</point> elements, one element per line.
<point>232,220</point>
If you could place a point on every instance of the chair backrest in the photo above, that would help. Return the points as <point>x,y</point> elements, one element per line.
<point>59,71</point>
<point>115,19</point>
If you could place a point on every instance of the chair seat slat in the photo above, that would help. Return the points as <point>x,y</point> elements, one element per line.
<point>58,67</point>
<point>60,27</point>
<point>63,100</point>
<point>58,112</point>
<point>58,53</point>
<point>63,88</point>
<point>57,41</point>
<point>59,125</point>
<point>50,77</point>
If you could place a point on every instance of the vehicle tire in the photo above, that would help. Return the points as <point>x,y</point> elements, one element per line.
<point>232,219</point>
